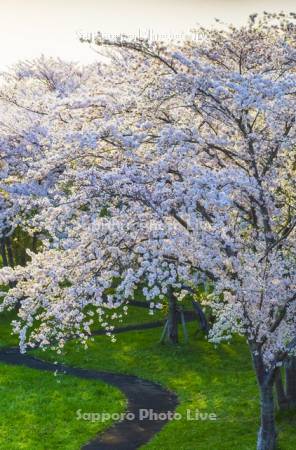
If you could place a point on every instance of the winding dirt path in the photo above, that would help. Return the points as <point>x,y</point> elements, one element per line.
<point>140,394</point>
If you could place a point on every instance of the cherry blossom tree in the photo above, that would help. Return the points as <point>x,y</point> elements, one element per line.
<point>170,166</point>
<point>238,88</point>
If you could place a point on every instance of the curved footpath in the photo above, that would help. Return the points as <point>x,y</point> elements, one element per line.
<point>140,394</point>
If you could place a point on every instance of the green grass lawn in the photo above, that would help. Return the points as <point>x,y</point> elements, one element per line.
<point>38,409</point>
<point>214,380</point>
<point>219,381</point>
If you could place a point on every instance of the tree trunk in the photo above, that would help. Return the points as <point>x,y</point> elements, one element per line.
<point>9,252</point>
<point>34,243</point>
<point>266,379</point>
<point>291,382</point>
<point>3,253</point>
<point>267,432</point>
<point>282,399</point>
<point>172,321</point>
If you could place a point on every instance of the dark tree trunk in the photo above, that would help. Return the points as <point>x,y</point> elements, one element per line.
<point>282,399</point>
<point>266,379</point>
<point>3,253</point>
<point>9,252</point>
<point>291,382</point>
<point>267,432</point>
<point>172,321</point>
<point>34,243</point>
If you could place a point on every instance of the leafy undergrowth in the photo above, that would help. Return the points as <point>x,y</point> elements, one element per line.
<point>7,339</point>
<point>39,410</point>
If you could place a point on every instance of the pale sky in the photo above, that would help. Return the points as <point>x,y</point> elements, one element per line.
<point>29,28</point>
